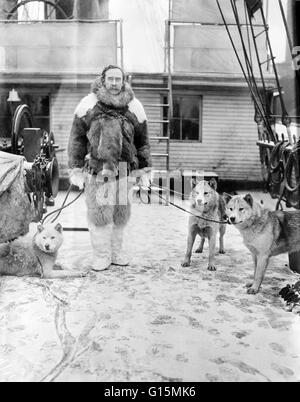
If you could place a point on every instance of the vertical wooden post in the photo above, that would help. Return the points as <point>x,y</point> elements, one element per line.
<point>121,62</point>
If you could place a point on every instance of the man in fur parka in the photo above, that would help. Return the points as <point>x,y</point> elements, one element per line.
<point>109,130</point>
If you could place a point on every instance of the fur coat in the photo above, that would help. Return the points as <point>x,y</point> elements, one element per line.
<point>109,129</point>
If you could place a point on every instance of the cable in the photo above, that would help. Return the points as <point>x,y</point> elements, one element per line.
<point>292,163</point>
<point>185,210</point>
<point>59,210</point>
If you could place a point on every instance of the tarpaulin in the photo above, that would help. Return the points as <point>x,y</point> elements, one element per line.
<point>15,207</point>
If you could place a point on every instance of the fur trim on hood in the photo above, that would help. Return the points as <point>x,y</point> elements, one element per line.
<point>119,101</point>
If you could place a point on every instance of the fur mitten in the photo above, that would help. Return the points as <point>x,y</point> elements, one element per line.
<point>76,177</point>
<point>145,178</point>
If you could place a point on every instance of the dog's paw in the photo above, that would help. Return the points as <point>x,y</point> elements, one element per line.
<point>78,275</point>
<point>199,250</point>
<point>211,268</point>
<point>75,274</point>
<point>252,290</point>
<point>186,263</point>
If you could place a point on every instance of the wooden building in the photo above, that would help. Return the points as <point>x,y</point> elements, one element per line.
<point>51,64</point>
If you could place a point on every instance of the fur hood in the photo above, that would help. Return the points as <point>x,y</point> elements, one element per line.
<point>119,101</point>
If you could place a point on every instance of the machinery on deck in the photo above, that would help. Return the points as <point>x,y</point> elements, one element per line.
<point>278,130</point>
<point>37,148</point>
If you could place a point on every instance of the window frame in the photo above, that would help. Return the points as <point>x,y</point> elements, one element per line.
<point>200,120</point>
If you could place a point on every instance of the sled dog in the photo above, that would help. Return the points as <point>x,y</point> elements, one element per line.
<point>38,258</point>
<point>265,233</point>
<point>206,203</point>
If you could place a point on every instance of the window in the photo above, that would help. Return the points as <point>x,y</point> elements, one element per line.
<point>34,10</point>
<point>187,117</point>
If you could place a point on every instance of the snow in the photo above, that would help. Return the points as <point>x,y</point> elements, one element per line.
<point>152,320</point>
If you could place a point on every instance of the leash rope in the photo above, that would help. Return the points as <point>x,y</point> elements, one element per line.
<point>182,209</point>
<point>63,206</point>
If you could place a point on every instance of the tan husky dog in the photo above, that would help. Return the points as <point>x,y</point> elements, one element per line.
<point>208,204</point>
<point>265,233</point>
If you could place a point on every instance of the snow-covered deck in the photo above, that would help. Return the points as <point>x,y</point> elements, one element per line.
<point>153,320</point>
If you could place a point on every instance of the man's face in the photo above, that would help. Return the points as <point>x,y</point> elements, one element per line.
<point>113,81</point>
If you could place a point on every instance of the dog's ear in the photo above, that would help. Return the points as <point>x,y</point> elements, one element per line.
<point>249,199</point>
<point>213,183</point>
<point>40,228</point>
<point>59,228</point>
<point>227,197</point>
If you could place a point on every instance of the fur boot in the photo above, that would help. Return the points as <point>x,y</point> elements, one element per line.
<point>101,244</point>
<point>119,257</point>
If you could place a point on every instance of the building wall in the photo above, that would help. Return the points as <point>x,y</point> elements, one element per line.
<point>57,48</point>
<point>229,133</point>
<point>63,104</point>
<point>229,139</point>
